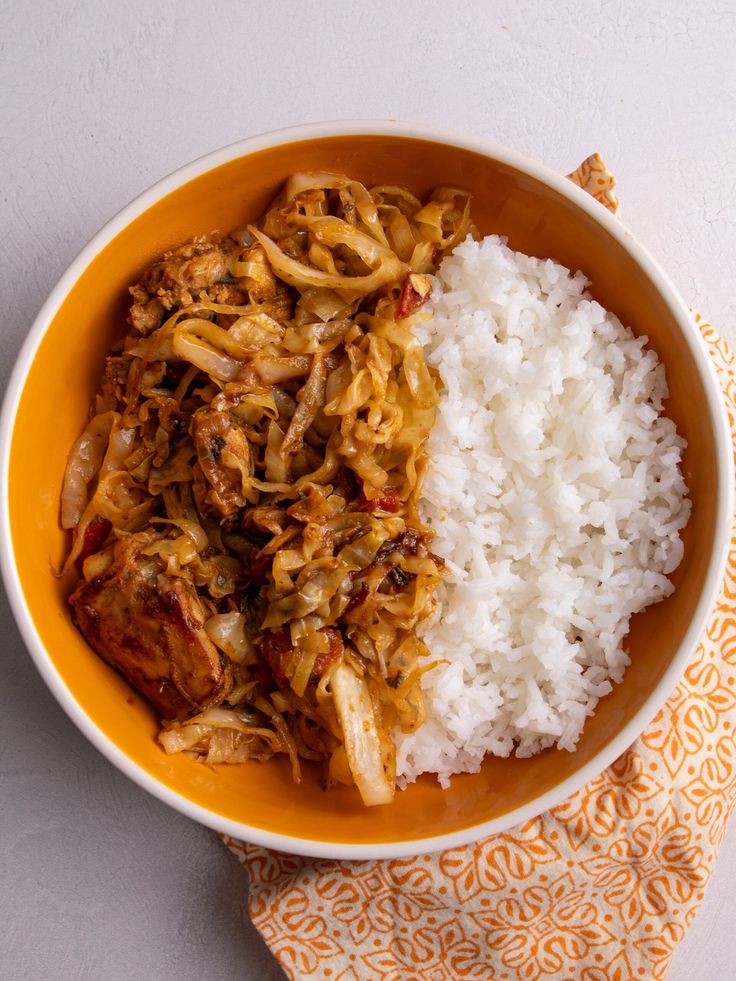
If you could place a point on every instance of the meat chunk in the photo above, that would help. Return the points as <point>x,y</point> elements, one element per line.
<point>173,282</point>
<point>224,456</point>
<point>198,272</point>
<point>410,542</point>
<point>114,383</point>
<point>150,627</point>
<point>282,657</point>
<point>226,293</point>
<point>146,312</point>
<point>260,282</point>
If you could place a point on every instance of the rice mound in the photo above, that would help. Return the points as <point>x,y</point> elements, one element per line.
<point>556,496</point>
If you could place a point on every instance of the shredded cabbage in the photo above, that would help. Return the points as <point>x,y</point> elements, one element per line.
<point>258,441</point>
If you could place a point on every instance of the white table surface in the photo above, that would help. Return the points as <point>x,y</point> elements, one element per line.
<point>98,99</point>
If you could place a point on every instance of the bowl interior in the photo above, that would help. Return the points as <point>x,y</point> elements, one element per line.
<point>64,376</point>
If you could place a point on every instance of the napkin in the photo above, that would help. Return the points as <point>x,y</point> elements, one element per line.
<point>601,888</point>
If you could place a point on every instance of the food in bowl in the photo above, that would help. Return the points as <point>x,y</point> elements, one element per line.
<point>557,500</point>
<point>244,498</point>
<point>57,375</point>
<point>248,498</point>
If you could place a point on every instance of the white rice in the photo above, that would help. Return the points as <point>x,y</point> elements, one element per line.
<point>557,500</point>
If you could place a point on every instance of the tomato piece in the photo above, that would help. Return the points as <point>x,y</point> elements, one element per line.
<point>414,293</point>
<point>94,535</point>
<point>388,501</point>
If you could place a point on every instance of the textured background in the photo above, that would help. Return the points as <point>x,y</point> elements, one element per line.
<point>98,100</point>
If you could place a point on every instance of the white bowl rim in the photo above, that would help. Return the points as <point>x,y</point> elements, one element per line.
<point>724,506</point>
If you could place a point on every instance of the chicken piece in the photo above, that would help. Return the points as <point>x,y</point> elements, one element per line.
<point>226,293</point>
<point>203,269</point>
<point>224,457</point>
<point>282,657</point>
<point>280,306</point>
<point>150,627</point>
<point>261,283</point>
<point>185,271</point>
<point>114,383</point>
<point>146,312</point>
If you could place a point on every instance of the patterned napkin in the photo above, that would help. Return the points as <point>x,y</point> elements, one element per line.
<point>601,888</point>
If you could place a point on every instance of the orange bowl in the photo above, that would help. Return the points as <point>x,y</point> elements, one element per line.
<point>57,374</point>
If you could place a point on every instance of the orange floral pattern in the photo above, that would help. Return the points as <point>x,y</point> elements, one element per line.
<point>600,888</point>
<point>595,178</point>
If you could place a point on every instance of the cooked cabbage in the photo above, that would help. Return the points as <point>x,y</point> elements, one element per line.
<point>261,430</point>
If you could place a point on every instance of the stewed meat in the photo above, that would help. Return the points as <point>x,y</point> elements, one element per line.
<point>149,626</point>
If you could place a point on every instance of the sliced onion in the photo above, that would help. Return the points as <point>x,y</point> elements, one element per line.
<point>418,377</point>
<point>311,398</point>
<point>339,768</point>
<point>362,742</point>
<point>361,197</point>
<point>403,239</point>
<point>273,458</point>
<point>97,564</point>
<point>227,631</point>
<point>195,349</point>
<point>318,338</point>
<point>404,200</point>
<point>273,371</point>
<point>192,529</point>
<point>385,265</point>
<point>255,331</point>
<point>302,674</point>
<point>84,461</point>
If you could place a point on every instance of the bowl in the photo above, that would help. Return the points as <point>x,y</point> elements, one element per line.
<point>56,375</point>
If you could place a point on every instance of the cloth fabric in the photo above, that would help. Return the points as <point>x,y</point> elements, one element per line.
<point>601,888</point>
